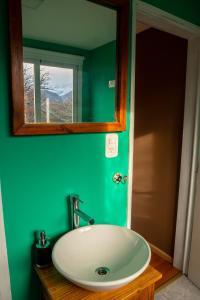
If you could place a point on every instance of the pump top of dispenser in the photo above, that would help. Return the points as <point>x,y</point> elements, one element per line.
<point>42,240</point>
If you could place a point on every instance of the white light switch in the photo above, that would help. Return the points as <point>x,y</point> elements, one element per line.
<point>111,84</point>
<point>111,149</point>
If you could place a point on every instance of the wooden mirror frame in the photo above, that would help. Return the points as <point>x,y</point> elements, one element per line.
<point>16,49</point>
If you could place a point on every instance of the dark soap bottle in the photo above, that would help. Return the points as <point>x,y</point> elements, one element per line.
<point>42,253</point>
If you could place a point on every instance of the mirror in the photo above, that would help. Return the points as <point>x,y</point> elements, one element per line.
<point>71,57</point>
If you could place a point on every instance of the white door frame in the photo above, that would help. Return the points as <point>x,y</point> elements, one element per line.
<point>5,290</point>
<point>164,21</point>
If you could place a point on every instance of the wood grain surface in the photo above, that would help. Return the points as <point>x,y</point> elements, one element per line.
<point>56,287</point>
<point>165,268</point>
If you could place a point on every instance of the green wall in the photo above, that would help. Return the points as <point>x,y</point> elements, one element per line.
<point>54,47</point>
<point>102,62</point>
<point>185,9</point>
<point>37,173</point>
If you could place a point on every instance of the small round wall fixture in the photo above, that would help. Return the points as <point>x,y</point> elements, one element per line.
<point>119,178</point>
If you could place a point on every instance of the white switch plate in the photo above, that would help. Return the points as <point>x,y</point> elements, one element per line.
<point>111,84</point>
<point>111,147</point>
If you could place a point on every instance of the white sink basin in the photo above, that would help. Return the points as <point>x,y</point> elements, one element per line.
<point>101,257</point>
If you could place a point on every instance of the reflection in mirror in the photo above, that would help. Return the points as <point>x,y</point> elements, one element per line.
<point>69,61</point>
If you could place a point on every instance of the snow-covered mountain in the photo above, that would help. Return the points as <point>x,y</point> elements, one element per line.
<point>56,95</point>
<point>62,91</point>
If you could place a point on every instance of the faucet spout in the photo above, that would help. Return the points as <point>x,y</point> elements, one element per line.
<point>84,216</point>
<point>76,213</point>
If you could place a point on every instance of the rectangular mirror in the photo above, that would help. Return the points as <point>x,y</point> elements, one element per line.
<point>69,63</point>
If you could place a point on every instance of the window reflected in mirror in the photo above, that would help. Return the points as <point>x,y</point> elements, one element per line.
<point>69,61</point>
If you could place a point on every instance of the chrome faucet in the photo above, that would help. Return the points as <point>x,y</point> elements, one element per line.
<point>76,213</point>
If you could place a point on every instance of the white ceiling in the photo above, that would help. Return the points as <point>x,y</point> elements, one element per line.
<point>77,23</point>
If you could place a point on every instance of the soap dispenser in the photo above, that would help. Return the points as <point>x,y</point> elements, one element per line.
<point>42,257</point>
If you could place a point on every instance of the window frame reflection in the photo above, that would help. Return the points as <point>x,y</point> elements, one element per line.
<point>39,58</point>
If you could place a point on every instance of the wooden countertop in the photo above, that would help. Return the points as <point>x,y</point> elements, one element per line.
<point>56,287</point>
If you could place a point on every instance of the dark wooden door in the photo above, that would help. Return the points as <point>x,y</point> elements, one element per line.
<point>160,91</point>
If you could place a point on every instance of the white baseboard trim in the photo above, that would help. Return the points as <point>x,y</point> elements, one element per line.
<point>161,253</point>
<point>5,290</point>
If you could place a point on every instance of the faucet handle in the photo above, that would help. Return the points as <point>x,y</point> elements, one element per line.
<point>75,198</point>
<point>79,200</point>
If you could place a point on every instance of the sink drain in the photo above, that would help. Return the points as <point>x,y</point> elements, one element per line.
<point>102,271</point>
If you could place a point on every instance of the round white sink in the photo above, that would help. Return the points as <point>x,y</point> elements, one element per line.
<point>101,257</point>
